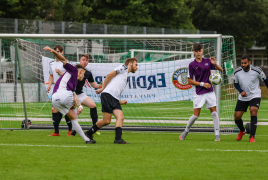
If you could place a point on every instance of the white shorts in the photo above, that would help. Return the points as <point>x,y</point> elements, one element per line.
<point>63,101</point>
<point>82,97</point>
<point>208,98</point>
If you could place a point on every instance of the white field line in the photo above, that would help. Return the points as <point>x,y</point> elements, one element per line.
<point>135,121</point>
<point>233,150</point>
<point>31,145</point>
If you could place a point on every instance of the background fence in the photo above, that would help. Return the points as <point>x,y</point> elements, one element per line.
<point>8,25</point>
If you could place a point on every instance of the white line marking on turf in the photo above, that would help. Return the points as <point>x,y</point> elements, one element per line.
<point>232,150</point>
<point>43,145</point>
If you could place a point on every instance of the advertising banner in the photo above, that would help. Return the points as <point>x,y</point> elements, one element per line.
<point>152,82</point>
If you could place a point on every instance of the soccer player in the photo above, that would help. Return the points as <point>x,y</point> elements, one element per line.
<point>246,81</point>
<point>63,97</point>
<point>198,75</point>
<point>56,70</point>
<point>83,98</point>
<point>113,86</point>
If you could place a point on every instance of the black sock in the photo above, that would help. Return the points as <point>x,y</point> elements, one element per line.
<point>118,133</point>
<point>94,115</point>
<point>56,121</point>
<point>69,123</point>
<point>93,129</point>
<point>240,125</point>
<point>253,125</point>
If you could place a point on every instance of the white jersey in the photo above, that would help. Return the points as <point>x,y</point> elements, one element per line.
<point>249,82</point>
<point>53,65</point>
<point>118,83</point>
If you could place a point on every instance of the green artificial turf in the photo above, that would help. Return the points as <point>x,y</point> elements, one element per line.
<point>30,154</point>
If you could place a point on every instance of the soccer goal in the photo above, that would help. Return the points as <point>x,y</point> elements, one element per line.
<point>158,94</point>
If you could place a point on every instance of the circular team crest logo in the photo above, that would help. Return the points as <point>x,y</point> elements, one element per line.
<point>180,79</point>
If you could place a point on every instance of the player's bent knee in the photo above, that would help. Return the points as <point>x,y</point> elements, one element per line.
<point>253,113</point>
<point>236,118</point>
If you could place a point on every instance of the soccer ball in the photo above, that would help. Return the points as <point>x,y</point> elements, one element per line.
<point>215,78</point>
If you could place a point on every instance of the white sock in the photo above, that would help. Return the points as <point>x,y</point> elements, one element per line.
<point>191,122</point>
<point>79,130</point>
<point>216,122</point>
<point>75,112</point>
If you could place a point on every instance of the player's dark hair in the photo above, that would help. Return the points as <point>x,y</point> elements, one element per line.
<point>58,46</point>
<point>130,60</point>
<point>197,47</point>
<point>79,66</point>
<point>246,57</point>
<point>85,55</point>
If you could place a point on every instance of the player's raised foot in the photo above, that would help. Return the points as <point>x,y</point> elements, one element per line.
<point>97,132</point>
<point>69,133</point>
<point>251,139</point>
<point>73,133</point>
<point>240,135</point>
<point>217,138</point>
<point>91,141</point>
<point>183,135</point>
<point>54,134</point>
<point>120,141</point>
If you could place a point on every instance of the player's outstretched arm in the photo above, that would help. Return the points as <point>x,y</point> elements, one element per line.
<point>59,57</point>
<point>78,103</point>
<point>106,81</point>
<point>195,83</point>
<point>214,62</point>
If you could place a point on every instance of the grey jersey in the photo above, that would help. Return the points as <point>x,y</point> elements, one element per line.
<point>249,82</point>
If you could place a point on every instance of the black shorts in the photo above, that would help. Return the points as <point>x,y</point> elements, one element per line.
<point>243,105</point>
<point>109,103</point>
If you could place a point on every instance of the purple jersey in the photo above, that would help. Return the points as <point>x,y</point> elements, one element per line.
<point>68,81</point>
<point>200,72</point>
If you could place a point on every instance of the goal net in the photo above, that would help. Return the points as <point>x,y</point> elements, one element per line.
<point>158,94</point>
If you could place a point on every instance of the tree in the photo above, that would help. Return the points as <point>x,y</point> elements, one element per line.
<point>243,19</point>
<point>152,13</point>
<point>57,10</point>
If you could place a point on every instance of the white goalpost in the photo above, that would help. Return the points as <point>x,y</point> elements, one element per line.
<point>158,93</point>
